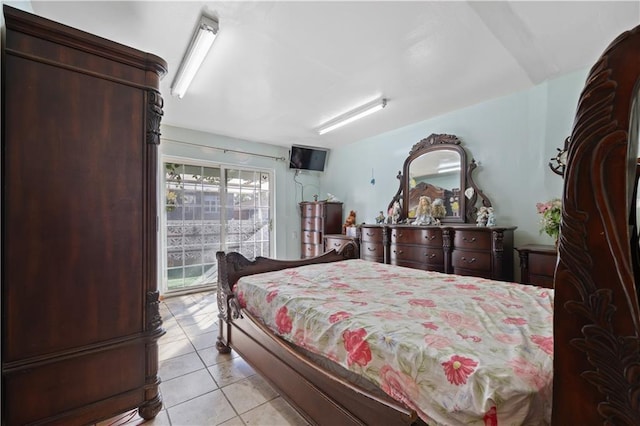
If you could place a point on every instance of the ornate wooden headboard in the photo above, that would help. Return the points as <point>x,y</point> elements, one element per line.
<point>596,314</point>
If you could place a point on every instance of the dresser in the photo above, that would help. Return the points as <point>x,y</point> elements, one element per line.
<point>338,241</point>
<point>460,249</point>
<point>537,264</point>
<point>80,309</point>
<point>317,219</point>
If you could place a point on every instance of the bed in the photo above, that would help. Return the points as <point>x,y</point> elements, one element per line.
<point>594,352</point>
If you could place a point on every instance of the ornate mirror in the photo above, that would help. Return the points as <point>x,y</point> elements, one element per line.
<point>437,168</point>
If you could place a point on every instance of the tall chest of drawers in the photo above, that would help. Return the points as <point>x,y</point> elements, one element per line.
<point>317,219</point>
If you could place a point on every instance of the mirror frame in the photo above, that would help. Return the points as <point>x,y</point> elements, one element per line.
<point>436,142</point>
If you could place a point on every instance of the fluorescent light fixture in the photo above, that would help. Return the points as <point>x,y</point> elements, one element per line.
<point>353,115</point>
<point>449,169</point>
<point>199,46</point>
<point>449,164</point>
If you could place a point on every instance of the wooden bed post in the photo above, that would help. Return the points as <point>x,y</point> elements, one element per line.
<point>596,346</point>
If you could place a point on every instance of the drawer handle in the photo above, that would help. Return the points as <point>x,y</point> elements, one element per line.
<point>430,256</point>
<point>371,249</point>
<point>336,244</point>
<point>464,259</point>
<point>398,251</point>
<point>369,234</point>
<point>308,248</point>
<point>471,240</point>
<point>430,237</point>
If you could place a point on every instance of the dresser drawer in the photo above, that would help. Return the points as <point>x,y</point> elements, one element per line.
<point>371,250</point>
<point>468,239</point>
<point>373,235</point>
<point>311,237</point>
<point>420,254</point>
<point>335,243</point>
<point>542,264</point>
<point>541,281</point>
<point>312,209</point>
<point>312,223</point>
<point>472,260</point>
<point>431,236</point>
<point>311,250</point>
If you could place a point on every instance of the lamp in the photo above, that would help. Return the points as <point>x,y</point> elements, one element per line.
<point>199,46</point>
<point>353,115</point>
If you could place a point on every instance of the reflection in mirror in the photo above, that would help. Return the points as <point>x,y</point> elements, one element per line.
<point>437,175</point>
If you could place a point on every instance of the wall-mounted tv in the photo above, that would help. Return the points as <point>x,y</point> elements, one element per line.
<point>307,158</point>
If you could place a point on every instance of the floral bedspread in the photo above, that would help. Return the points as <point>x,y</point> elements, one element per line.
<point>458,350</point>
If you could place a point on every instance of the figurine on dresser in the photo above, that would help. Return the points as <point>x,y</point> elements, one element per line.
<point>491,217</point>
<point>394,213</point>
<point>380,217</point>
<point>483,216</point>
<point>423,212</point>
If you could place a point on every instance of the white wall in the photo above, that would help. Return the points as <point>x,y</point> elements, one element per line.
<point>512,138</point>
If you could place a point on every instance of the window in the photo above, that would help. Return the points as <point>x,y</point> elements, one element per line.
<point>210,209</point>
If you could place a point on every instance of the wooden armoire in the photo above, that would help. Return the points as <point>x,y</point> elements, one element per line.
<point>80,317</point>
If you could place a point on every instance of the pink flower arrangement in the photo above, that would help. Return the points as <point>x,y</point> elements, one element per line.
<point>551,214</point>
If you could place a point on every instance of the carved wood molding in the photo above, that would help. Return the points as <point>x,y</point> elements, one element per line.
<point>155,103</point>
<point>434,139</point>
<point>154,320</point>
<point>595,282</point>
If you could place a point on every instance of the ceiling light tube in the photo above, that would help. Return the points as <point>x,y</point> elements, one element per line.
<point>199,46</point>
<point>449,169</point>
<point>351,116</point>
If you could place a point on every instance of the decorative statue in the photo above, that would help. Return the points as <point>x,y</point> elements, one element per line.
<point>491,217</point>
<point>483,216</point>
<point>349,222</point>
<point>395,213</point>
<point>380,217</point>
<point>423,212</point>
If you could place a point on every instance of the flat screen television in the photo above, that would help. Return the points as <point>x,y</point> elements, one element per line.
<point>307,158</point>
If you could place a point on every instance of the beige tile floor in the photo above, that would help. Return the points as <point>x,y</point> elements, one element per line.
<point>201,387</point>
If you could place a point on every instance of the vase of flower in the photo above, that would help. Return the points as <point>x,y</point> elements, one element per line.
<point>550,217</point>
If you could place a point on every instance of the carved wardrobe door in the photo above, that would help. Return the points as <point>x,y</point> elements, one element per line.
<point>80,318</point>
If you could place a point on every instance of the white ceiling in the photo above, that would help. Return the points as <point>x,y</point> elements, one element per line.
<point>278,70</point>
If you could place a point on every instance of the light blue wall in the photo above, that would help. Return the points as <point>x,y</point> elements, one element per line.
<point>512,138</point>
<point>287,192</point>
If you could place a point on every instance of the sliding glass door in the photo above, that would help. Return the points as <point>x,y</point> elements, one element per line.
<point>208,209</point>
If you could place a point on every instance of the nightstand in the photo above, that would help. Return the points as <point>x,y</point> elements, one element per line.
<point>537,264</point>
<point>337,241</point>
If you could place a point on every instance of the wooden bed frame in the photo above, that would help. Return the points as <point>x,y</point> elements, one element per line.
<point>596,314</point>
